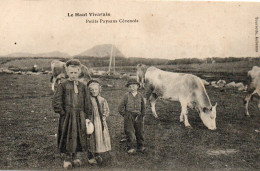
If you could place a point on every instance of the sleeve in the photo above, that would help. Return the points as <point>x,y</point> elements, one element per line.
<point>87,104</point>
<point>143,106</point>
<point>106,109</point>
<point>122,106</point>
<point>57,102</point>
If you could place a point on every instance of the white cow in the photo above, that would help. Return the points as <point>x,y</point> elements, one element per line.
<point>188,89</point>
<point>58,69</point>
<point>253,87</point>
<point>140,74</point>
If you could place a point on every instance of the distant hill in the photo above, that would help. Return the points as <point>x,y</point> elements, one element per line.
<point>48,54</point>
<point>101,51</point>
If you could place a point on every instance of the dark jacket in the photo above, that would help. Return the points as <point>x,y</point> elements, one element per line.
<point>73,109</point>
<point>129,103</point>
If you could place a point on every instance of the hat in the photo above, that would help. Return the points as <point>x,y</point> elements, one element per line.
<point>93,81</point>
<point>89,127</point>
<point>132,81</point>
<point>74,62</point>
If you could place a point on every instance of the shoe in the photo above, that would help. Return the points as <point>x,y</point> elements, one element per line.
<point>99,159</point>
<point>77,162</point>
<point>92,161</point>
<point>141,150</point>
<point>131,151</point>
<point>67,165</point>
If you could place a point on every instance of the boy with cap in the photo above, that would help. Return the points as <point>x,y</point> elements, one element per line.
<point>132,108</point>
<point>69,101</point>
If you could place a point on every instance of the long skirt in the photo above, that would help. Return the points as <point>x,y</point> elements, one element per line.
<point>100,138</point>
<point>72,136</point>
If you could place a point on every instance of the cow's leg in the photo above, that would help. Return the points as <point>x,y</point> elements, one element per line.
<point>53,84</point>
<point>142,82</point>
<point>246,101</point>
<point>181,117</point>
<point>184,114</point>
<point>137,78</point>
<point>152,100</point>
<point>148,91</point>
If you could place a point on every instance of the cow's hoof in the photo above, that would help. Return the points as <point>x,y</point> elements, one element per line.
<point>248,116</point>
<point>189,127</point>
<point>156,117</point>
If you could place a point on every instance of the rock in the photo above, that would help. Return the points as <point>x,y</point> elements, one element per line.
<point>240,86</point>
<point>221,83</point>
<point>231,84</point>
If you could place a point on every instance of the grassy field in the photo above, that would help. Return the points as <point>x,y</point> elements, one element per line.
<point>28,125</point>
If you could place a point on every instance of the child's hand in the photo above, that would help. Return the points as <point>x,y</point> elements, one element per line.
<point>137,117</point>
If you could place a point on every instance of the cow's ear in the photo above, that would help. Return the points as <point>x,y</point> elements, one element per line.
<point>205,109</point>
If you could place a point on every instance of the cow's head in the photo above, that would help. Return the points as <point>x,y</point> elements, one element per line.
<point>208,117</point>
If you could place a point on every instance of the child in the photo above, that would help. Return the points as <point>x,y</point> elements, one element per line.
<point>132,108</point>
<point>69,101</point>
<point>100,110</point>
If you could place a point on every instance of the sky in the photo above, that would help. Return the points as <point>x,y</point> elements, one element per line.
<point>168,30</point>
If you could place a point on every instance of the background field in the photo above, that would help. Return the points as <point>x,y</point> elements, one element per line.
<point>28,125</point>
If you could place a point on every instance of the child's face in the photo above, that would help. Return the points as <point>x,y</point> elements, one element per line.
<point>73,72</point>
<point>133,87</point>
<point>94,89</point>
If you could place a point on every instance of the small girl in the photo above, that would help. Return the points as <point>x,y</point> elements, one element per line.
<point>100,139</point>
<point>69,101</point>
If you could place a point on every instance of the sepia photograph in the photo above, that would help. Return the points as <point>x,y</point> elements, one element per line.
<point>129,85</point>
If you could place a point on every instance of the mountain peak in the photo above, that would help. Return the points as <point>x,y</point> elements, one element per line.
<point>103,50</point>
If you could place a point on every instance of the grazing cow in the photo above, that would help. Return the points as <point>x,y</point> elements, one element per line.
<point>253,87</point>
<point>140,74</point>
<point>58,69</point>
<point>188,89</point>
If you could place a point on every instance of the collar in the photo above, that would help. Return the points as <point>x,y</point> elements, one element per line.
<point>133,94</point>
<point>76,81</point>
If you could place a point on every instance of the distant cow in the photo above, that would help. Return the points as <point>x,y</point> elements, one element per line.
<point>188,89</point>
<point>58,69</point>
<point>140,74</point>
<point>253,87</point>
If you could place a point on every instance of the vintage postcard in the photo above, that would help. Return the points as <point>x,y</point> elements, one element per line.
<point>129,85</point>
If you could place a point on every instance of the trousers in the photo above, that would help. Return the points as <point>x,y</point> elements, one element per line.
<point>134,129</point>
